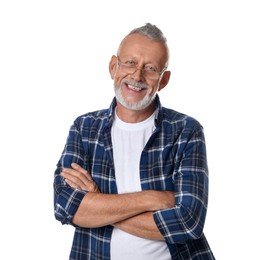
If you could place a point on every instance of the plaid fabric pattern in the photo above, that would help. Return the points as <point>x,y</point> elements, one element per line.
<point>174,159</point>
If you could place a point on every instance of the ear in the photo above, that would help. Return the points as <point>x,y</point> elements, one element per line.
<point>113,66</point>
<point>164,80</point>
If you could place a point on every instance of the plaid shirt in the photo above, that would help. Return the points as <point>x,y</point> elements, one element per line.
<point>174,159</point>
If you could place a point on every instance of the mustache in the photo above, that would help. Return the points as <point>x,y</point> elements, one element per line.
<point>135,83</point>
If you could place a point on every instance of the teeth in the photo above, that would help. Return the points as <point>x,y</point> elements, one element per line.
<point>134,88</point>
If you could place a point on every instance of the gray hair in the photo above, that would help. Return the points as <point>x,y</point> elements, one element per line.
<point>151,31</point>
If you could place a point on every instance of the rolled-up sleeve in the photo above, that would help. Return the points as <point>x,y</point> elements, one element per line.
<point>67,199</point>
<point>186,220</point>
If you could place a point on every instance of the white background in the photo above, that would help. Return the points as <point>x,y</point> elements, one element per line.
<point>54,66</point>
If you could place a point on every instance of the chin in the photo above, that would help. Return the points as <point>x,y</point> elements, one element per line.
<point>142,104</point>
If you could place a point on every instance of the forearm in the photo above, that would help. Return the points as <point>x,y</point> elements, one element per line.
<point>97,209</point>
<point>141,225</point>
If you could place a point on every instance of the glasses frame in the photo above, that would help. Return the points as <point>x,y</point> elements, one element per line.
<point>136,67</point>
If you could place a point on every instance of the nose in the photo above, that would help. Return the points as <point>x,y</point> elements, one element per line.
<point>138,75</point>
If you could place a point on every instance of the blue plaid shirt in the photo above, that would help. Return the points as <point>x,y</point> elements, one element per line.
<point>174,159</point>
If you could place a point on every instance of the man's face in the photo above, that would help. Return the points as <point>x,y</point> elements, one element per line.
<point>136,71</point>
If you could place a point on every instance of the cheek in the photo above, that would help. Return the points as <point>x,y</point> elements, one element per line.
<point>117,81</point>
<point>152,89</point>
<point>117,78</point>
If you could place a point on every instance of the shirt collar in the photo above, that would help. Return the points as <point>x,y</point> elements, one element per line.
<point>158,114</point>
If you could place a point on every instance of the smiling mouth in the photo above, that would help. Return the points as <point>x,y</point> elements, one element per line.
<point>135,88</point>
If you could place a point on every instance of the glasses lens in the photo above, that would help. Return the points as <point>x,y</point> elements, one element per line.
<point>127,68</point>
<point>131,69</point>
<point>151,74</point>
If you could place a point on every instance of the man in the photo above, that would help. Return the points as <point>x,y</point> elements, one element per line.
<point>133,179</point>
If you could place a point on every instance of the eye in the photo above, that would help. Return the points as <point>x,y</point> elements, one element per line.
<point>150,68</point>
<point>130,63</point>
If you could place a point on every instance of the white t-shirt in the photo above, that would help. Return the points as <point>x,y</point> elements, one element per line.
<point>129,140</point>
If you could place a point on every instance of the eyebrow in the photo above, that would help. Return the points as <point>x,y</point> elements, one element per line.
<point>136,60</point>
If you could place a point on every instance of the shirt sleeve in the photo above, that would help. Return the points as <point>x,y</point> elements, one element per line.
<point>186,220</point>
<point>66,198</point>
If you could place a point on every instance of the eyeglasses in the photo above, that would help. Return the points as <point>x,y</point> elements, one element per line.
<point>130,67</point>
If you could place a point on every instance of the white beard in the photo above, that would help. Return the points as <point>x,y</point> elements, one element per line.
<point>145,102</point>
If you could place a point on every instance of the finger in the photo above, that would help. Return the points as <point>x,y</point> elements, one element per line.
<point>92,187</point>
<point>80,169</point>
<point>77,184</point>
<point>82,175</point>
<point>77,181</point>
<point>79,178</point>
<point>72,184</point>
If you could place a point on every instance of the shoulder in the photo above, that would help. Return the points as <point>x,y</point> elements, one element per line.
<point>99,117</point>
<point>94,115</point>
<point>96,118</point>
<point>179,120</point>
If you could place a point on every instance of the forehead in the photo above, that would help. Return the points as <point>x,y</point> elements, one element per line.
<point>137,45</point>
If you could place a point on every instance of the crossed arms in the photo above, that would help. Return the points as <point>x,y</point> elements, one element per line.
<point>150,214</point>
<point>130,212</point>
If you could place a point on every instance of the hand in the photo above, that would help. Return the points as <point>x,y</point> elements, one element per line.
<point>78,178</point>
